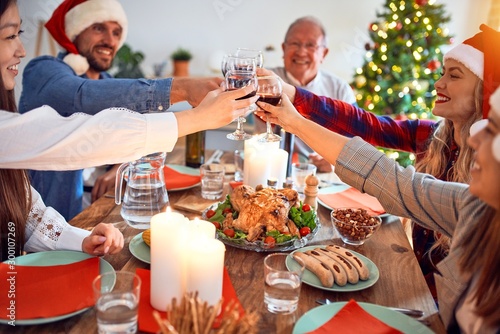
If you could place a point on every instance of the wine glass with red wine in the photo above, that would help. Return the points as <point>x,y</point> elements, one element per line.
<point>236,79</point>
<point>269,90</point>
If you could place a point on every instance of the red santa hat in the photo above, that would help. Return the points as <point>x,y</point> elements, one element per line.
<point>74,16</point>
<point>481,55</point>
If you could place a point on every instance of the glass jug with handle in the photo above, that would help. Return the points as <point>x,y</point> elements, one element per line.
<point>145,193</point>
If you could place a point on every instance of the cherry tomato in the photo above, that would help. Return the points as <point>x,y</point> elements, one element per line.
<point>229,232</point>
<point>304,231</point>
<point>270,241</point>
<point>210,213</point>
<point>227,210</point>
<point>217,225</point>
<point>306,207</point>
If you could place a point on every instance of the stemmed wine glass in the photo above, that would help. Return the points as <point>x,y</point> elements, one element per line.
<point>232,62</point>
<point>251,53</point>
<point>269,90</point>
<point>236,79</point>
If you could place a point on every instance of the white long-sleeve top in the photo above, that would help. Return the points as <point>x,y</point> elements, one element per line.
<point>42,139</point>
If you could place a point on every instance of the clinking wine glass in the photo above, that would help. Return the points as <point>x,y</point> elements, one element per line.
<point>251,53</point>
<point>269,90</point>
<point>236,79</point>
<point>232,62</point>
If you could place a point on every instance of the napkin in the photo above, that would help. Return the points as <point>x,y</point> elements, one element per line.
<point>353,198</point>
<point>148,324</point>
<point>352,318</point>
<point>175,180</point>
<point>47,291</point>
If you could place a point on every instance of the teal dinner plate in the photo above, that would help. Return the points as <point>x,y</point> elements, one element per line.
<point>318,316</point>
<point>310,279</point>
<point>185,170</point>
<point>54,258</point>
<point>139,249</point>
<point>336,189</point>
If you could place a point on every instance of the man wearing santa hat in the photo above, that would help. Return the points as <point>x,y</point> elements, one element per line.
<point>91,32</point>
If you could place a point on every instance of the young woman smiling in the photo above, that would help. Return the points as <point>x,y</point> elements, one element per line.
<point>468,286</point>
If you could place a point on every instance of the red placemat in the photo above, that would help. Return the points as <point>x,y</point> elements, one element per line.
<point>147,323</point>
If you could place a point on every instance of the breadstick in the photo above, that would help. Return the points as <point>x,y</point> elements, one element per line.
<point>319,269</point>
<point>363,271</point>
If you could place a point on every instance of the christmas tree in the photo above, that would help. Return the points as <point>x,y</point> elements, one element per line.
<point>402,62</point>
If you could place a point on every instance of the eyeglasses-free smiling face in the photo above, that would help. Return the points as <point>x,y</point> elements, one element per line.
<point>303,51</point>
<point>99,44</point>
<point>485,178</point>
<point>11,47</point>
<point>455,93</point>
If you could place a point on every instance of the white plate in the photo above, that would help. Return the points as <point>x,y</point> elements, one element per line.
<point>139,249</point>
<point>316,317</point>
<point>185,170</point>
<point>336,189</point>
<point>310,279</point>
<point>54,258</point>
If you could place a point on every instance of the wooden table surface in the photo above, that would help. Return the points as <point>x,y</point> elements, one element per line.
<point>401,283</point>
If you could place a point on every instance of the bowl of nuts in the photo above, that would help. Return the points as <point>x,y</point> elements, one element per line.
<point>355,226</point>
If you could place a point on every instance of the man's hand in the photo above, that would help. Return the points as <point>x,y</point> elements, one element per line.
<point>192,90</point>
<point>104,183</point>
<point>104,239</point>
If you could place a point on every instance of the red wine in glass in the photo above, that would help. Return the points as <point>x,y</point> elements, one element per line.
<point>274,100</point>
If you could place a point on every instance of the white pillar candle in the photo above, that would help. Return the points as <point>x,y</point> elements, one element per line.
<point>205,269</point>
<point>203,228</point>
<point>168,237</point>
<point>278,166</point>
<point>257,161</point>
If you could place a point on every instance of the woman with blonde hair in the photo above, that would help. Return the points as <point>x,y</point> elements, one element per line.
<point>468,286</point>
<point>441,147</point>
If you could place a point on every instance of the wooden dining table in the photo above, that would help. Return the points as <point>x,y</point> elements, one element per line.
<point>401,283</point>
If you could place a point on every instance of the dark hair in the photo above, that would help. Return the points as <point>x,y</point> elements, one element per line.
<point>15,191</point>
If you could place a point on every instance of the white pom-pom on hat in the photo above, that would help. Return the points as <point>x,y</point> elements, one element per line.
<point>78,63</point>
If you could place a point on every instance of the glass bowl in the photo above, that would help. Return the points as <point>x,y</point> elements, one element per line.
<point>354,225</point>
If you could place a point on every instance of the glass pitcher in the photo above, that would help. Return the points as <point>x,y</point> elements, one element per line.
<point>145,192</point>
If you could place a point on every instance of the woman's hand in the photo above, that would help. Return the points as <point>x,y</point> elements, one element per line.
<point>288,89</point>
<point>104,239</point>
<point>218,108</point>
<point>285,115</point>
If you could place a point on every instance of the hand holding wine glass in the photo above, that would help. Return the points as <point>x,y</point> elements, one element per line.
<point>236,79</point>
<point>269,90</point>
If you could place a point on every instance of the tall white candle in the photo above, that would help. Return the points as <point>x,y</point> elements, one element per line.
<point>203,228</point>
<point>205,268</point>
<point>278,166</point>
<point>168,237</point>
<point>257,161</point>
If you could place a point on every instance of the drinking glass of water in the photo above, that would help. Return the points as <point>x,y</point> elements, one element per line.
<point>282,289</point>
<point>117,299</point>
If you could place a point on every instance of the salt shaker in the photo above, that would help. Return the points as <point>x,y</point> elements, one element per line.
<point>272,183</point>
<point>311,190</point>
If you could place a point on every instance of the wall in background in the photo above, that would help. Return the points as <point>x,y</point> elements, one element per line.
<point>210,28</point>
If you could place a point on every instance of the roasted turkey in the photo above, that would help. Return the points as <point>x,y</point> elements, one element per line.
<point>263,210</point>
